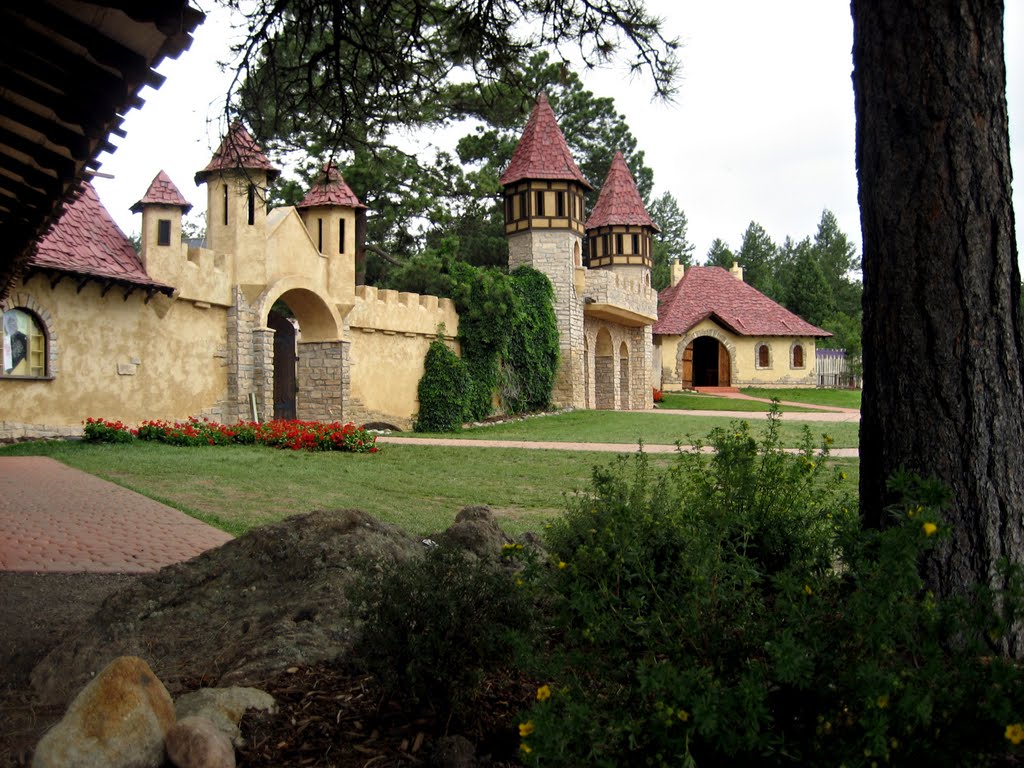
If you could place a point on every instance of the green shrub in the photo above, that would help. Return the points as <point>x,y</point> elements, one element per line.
<point>434,625</point>
<point>443,391</point>
<point>103,431</point>
<point>731,611</point>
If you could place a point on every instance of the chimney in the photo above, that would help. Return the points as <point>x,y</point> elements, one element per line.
<point>678,270</point>
<point>736,271</point>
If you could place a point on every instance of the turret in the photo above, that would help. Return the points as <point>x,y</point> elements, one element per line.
<point>544,201</point>
<point>236,191</point>
<point>162,208</point>
<point>619,230</point>
<point>332,214</point>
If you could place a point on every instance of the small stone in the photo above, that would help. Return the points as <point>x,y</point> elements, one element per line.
<point>119,720</point>
<point>224,707</point>
<point>454,752</point>
<point>195,742</point>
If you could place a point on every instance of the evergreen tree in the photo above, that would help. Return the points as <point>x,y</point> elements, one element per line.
<point>758,256</point>
<point>807,291</point>
<point>670,244</point>
<point>837,258</point>
<point>719,254</point>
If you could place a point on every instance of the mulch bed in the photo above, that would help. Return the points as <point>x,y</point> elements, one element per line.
<point>335,715</point>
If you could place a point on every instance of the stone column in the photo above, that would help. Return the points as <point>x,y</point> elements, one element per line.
<point>321,377</point>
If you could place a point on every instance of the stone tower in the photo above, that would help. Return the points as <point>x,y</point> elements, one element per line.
<point>544,214</point>
<point>236,212</point>
<point>619,229</point>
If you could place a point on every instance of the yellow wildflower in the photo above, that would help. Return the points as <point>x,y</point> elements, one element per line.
<point>683,715</point>
<point>808,590</point>
<point>527,749</point>
<point>842,475</point>
<point>525,729</point>
<point>882,701</point>
<point>519,582</point>
<point>561,565</point>
<point>544,693</point>
<point>929,528</point>
<point>829,440</point>
<point>1015,732</point>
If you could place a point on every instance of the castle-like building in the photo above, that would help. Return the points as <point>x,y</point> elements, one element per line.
<point>94,329</point>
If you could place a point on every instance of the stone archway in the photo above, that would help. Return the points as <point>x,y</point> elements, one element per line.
<point>604,371</point>
<point>706,359</point>
<point>320,363</point>
<point>624,388</point>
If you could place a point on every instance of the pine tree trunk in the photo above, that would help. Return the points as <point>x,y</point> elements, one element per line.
<point>942,334</point>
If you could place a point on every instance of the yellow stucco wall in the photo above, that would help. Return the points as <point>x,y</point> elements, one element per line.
<point>743,358</point>
<point>390,333</point>
<point>116,358</point>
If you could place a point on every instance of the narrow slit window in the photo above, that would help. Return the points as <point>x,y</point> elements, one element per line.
<point>636,244</point>
<point>523,213</point>
<point>341,235</point>
<point>618,244</point>
<point>560,204</point>
<point>251,201</point>
<point>163,232</point>
<point>540,203</point>
<point>320,235</point>
<point>225,203</point>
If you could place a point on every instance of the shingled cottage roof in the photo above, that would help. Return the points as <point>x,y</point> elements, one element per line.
<point>542,152</point>
<point>330,189</point>
<point>619,201</point>
<point>85,241</point>
<point>162,192</point>
<point>238,150</point>
<point>713,292</point>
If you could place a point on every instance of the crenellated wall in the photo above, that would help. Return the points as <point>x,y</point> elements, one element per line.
<point>389,335</point>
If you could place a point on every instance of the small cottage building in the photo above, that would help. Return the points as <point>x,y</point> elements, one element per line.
<point>716,331</point>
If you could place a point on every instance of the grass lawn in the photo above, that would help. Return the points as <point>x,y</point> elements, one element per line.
<point>629,427</point>
<point>419,488</point>
<point>692,401</point>
<point>837,398</point>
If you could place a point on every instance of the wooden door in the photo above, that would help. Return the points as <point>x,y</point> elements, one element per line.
<point>687,376</point>
<point>724,367</point>
<point>284,366</point>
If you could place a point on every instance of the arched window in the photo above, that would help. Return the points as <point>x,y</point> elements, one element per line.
<point>24,344</point>
<point>764,357</point>
<point>798,356</point>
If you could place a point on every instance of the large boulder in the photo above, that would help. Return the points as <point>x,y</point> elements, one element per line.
<point>119,720</point>
<point>224,707</point>
<point>272,598</point>
<point>195,742</point>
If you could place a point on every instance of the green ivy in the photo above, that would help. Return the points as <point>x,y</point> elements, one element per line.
<point>509,340</point>
<point>442,391</point>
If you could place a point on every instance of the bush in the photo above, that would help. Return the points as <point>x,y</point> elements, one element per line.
<point>434,625</point>
<point>443,391</point>
<point>731,611</point>
<point>103,431</point>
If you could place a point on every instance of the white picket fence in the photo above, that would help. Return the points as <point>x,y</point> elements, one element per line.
<point>834,370</point>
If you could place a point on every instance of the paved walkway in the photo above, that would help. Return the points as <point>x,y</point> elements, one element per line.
<point>57,519</point>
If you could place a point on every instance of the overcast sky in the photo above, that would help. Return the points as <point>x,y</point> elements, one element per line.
<point>762,128</point>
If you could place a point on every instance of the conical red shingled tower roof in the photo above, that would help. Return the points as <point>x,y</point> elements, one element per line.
<point>619,201</point>
<point>162,192</point>
<point>331,189</point>
<point>238,150</point>
<point>542,152</point>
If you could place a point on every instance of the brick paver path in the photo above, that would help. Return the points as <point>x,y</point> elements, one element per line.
<point>57,519</point>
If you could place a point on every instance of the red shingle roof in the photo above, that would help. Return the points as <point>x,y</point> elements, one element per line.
<point>162,192</point>
<point>330,189</point>
<point>542,152</point>
<point>238,150</point>
<point>86,241</point>
<point>619,201</point>
<point>713,292</point>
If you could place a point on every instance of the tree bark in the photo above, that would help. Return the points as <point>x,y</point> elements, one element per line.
<point>942,332</point>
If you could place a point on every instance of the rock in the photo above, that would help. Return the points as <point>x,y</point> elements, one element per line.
<point>475,530</point>
<point>119,720</point>
<point>195,742</point>
<point>274,597</point>
<point>453,752</point>
<point>224,707</point>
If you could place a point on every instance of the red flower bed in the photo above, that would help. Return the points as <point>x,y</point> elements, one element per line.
<point>295,435</point>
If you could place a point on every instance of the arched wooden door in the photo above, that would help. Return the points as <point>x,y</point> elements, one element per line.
<point>285,386</point>
<point>706,363</point>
